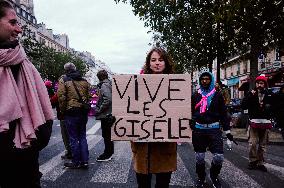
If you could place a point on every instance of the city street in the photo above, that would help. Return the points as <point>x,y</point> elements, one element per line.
<point>119,171</point>
<point>144,72</point>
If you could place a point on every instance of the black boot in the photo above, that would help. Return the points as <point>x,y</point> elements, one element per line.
<point>200,170</point>
<point>214,172</point>
<point>252,165</point>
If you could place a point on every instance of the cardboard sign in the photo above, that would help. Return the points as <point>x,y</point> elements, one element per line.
<point>151,108</point>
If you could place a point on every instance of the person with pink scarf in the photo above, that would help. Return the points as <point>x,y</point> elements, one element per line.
<point>208,114</point>
<point>25,110</point>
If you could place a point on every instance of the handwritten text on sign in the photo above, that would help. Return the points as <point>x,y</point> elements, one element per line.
<point>151,108</point>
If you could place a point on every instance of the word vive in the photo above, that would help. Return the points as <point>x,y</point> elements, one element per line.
<point>152,108</point>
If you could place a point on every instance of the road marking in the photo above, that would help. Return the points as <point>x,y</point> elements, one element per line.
<point>233,176</point>
<point>116,170</point>
<point>276,170</point>
<point>53,168</point>
<point>95,128</point>
<point>54,140</point>
<point>181,176</point>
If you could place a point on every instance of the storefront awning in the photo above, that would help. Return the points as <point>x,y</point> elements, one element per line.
<point>233,81</point>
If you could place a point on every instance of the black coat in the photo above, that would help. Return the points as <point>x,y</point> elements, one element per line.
<point>278,109</point>
<point>216,112</point>
<point>255,110</point>
<point>7,146</point>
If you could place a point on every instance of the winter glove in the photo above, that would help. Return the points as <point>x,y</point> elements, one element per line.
<point>110,118</point>
<point>230,136</point>
<point>43,135</point>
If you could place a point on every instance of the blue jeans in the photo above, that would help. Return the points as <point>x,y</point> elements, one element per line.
<point>76,128</point>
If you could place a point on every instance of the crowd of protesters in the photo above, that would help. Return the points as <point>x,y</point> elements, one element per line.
<point>26,121</point>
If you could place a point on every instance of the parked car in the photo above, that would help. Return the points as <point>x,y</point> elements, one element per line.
<point>234,106</point>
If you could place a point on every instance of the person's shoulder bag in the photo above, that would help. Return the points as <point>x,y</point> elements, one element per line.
<point>85,105</point>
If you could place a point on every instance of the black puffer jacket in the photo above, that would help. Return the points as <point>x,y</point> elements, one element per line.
<point>215,113</point>
<point>7,146</point>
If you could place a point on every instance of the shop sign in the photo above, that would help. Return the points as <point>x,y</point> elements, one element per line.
<point>276,64</point>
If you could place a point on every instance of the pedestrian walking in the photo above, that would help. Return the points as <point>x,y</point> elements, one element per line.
<point>103,113</point>
<point>25,111</point>
<point>155,158</point>
<point>208,113</point>
<point>73,95</point>
<point>259,105</point>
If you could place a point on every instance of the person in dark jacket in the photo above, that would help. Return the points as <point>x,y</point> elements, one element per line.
<point>26,120</point>
<point>208,112</point>
<point>259,104</point>
<point>279,109</point>
<point>73,94</point>
<point>103,113</point>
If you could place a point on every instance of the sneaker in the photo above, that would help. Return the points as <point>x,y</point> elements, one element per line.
<point>72,165</point>
<point>262,168</point>
<point>216,183</point>
<point>84,165</point>
<point>199,183</point>
<point>104,157</point>
<point>252,165</point>
<point>66,156</point>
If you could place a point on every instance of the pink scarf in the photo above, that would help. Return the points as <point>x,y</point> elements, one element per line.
<point>25,99</point>
<point>203,102</point>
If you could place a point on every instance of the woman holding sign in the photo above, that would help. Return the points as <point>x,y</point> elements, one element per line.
<point>155,158</point>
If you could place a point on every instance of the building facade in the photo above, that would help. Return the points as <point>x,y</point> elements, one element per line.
<point>59,42</point>
<point>94,66</point>
<point>39,32</point>
<point>235,73</point>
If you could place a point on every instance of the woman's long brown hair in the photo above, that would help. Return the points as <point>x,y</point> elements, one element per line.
<point>169,65</point>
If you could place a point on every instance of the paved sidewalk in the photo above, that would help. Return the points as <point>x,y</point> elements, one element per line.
<point>275,137</point>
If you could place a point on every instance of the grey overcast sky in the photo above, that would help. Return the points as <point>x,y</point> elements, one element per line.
<point>108,30</point>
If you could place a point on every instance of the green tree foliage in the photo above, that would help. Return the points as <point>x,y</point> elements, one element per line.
<point>188,29</point>
<point>258,26</point>
<point>49,62</point>
<point>198,31</point>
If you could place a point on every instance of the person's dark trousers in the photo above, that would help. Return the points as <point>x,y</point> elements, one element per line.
<point>65,137</point>
<point>18,167</point>
<point>200,171</point>
<point>76,127</point>
<point>201,140</point>
<point>106,134</point>
<point>20,170</point>
<point>215,170</point>
<point>162,180</point>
